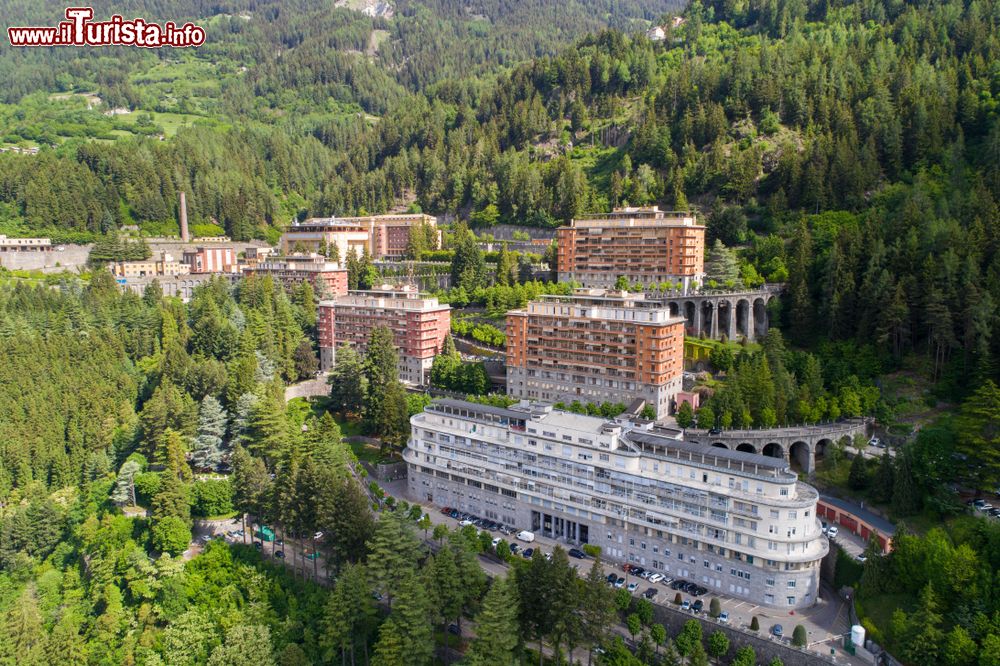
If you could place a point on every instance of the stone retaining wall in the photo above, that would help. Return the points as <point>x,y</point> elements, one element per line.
<point>765,648</point>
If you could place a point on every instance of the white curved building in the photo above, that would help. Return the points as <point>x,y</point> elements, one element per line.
<point>737,523</point>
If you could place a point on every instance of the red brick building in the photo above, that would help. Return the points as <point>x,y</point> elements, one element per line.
<point>327,278</point>
<point>645,245</point>
<point>210,260</point>
<point>596,346</point>
<point>419,326</point>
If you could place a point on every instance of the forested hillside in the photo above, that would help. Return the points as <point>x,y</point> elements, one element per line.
<point>850,150</point>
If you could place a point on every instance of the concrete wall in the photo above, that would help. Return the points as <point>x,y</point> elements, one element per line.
<point>69,258</point>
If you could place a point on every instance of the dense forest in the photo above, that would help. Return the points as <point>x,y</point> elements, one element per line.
<point>850,150</point>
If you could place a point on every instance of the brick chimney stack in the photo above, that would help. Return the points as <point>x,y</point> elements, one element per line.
<point>184,220</point>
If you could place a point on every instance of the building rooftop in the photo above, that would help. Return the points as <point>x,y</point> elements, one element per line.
<point>638,216</point>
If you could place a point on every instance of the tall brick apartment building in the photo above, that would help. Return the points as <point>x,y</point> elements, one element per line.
<point>645,245</point>
<point>419,326</point>
<point>596,346</point>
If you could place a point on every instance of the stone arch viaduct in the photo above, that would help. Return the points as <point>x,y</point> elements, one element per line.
<point>800,446</point>
<point>733,314</point>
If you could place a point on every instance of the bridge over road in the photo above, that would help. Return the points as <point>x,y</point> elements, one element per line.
<point>801,445</point>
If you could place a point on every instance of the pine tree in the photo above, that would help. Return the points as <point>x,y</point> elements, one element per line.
<point>505,267</point>
<point>124,491</point>
<point>390,650</point>
<point>858,477</point>
<point>392,553</point>
<point>348,383</point>
<point>412,613</point>
<point>978,431</point>
<point>380,369</point>
<point>208,451</point>
<point>496,626</point>
<point>349,615</point>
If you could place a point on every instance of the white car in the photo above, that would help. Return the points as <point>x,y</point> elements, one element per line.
<point>495,542</point>
<point>464,523</point>
<point>656,578</point>
<point>832,531</point>
<point>633,586</point>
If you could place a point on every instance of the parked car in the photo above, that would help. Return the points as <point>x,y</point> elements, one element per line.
<point>826,527</point>
<point>525,535</point>
<point>633,586</point>
<point>577,553</point>
<point>454,630</point>
<point>876,442</point>
<point>832,532</point>
<point>699,590</point>
<point>715,431</point>
<point>446,510</point>
<point>656,578</point>
<point>645,574</point>
<point>724,617</point>
<point>686,605</point>
<point>697,606</point>
<point>527,553</point>
<point>280,554</point>
<point>676,585</point>
<point>650,593</point>
<point>514,548</point>
<point>620,583</point>
<point>318,536</point>
<point>777,631</point>
<point>495,542</point>
<point>612,578</point>
<point>464,522</point>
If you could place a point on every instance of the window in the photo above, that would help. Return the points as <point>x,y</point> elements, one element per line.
<point>791,584</point>
<point>791,601</point>
<point>775,514</point>
<point>769,582</point>
<point>793,515</point>
<point>784,492</point>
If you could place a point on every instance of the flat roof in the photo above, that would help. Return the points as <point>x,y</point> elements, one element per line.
<point>881,524</point>
<point>644,437</point>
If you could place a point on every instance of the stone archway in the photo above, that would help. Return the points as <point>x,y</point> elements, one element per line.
<point>690,308</point>
<point>800,455</point>
<point>819,452</point>
<point>773,450</point>
<point>725,313</point>
<point>746,447</point>
<point>720,445</point>
<point>707,318</point>
<point>743,314</point>
<point>675,309</point>
<point>760,322</point>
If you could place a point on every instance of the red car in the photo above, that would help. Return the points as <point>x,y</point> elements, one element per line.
<point>446,510</point>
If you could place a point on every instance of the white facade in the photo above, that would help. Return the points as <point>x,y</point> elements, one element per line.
<point>736,523</point>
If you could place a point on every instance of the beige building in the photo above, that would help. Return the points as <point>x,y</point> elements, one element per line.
<point>165,265</point>
<point>735,523</point>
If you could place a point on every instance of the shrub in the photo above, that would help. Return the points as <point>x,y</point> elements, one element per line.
<point>171,535</point>
<point>592,550</point>
<point>213,497</point>
<point>678,599</point>
<point>714,608</point>
<point>799,636</point>
<point>754,624</point>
